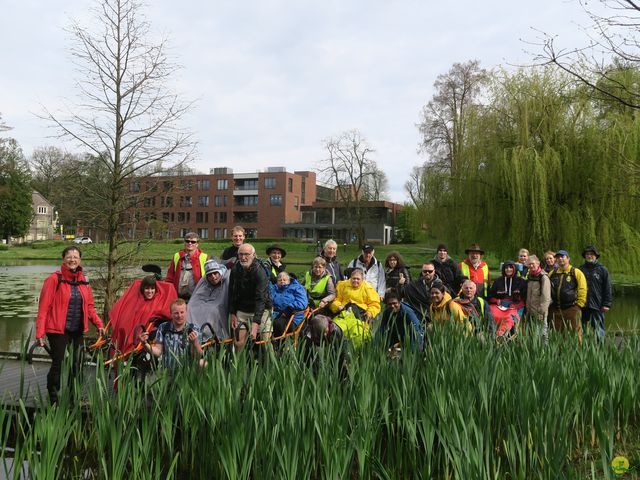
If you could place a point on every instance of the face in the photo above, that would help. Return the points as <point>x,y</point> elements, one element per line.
<point>367,256</point>
<point>214,278</point>
<point>442,254</point>
<point>275,255</point>
<point>149,293</point>
<point>330,250</point>
<point>393,261</point>
<point>72,260</point>
<point>428,271</point>
<point>509,271</point>
<point>355,280</point>
<point>522,257</point>
<point>469,289</point>
<point>394,305</point>
<point>190,244</point>
<point>318,269</point>
<point>436,295</point>
<point>245,255</point>
<point>533,265</point>
<point>237,238</point>
<point>550,260</point>
<point>283,280</point>
<point>474,257</point>
<point>179,315</point>
<point>563,261</point>
<point>590,257</point>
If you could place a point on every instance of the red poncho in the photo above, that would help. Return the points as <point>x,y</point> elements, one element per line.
<point>132,310</point>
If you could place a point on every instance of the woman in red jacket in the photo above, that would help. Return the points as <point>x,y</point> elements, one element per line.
<point>66,306</point>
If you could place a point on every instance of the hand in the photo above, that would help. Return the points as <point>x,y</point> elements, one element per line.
<point>254,331</point>
<point>143,337</point>
<point>193,336</point>
<point>367,318</point>
<point>604,309</point>
<point>101,332</point>
<point>234,321</point>
<point>402,279</point>
<point>40,341</point>
<point>322,304</point>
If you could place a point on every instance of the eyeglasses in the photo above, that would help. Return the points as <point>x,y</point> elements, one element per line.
<point>244,254</point>
<point>428,271</point>
<point>191,241</point>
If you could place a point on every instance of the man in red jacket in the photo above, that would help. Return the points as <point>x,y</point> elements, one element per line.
<point>185,271</point>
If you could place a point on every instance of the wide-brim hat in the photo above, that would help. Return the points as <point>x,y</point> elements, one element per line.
<point>591,248</point>
<point>275,246</point>
<point>474,248</point>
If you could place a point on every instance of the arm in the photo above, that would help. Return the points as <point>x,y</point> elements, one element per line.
<point>373,301</point>
<point>300,299</point>
<point>382,282</point>
<point>171,273</point>
<point>607,295</point>
<point>194,338</point>
<point>44,305</point>
<point>91,311</point>
<point>156,348</point>
<point>545,293</point>
<point>261,293</point>
<point>581,292</point>
<point>337,303</point>
<point>331,294</point>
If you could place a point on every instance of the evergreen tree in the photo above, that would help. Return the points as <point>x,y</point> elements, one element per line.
<point>16,210</point>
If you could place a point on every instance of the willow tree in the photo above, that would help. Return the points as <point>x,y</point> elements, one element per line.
<point>125,116</point>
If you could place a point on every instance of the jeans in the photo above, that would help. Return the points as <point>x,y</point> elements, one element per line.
<point>59,343</point>
<point>595,318</point>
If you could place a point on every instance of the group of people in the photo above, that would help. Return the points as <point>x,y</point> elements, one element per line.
<point>240,297</point>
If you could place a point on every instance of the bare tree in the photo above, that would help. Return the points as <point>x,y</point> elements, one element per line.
<point>444,118</point>
<point>614,47</point>
<point>125,115</point>
<point>349,167</point>
<point>3,126</point>
<point>376,185</point>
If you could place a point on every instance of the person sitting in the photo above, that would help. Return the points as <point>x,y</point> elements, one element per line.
<point>357,295</point>
<point>288,297</point>
<point>399,324</point>
<point>395,271</point>
<point>319,286</point>
<point>443,309</point>
<point>507,297</point>
<point>417,294</point>
<point>176,340</point>
<point>475,309</point>
<point>210,301</point>
<point>275,253</point>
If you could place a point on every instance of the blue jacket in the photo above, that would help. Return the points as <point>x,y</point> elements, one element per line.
<point>288,299</point>
<point>599,292</point>
<point>405,321</point>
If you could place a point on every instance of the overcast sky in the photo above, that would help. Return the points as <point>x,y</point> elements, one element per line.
<point>272,79</point>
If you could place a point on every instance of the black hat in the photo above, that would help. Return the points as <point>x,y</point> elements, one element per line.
<point>275,246</point>
<point>442,246</point>
<point>591,248</point>
<point>367,247</point>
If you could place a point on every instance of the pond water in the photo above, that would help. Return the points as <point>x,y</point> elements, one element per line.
<point>20,288</point>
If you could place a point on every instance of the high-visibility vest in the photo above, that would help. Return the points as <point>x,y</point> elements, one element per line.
<point>466,271</point>
<point>202,258</point>
<point>319,289</point>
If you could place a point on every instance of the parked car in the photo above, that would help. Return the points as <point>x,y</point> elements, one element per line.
<point>82,240</point>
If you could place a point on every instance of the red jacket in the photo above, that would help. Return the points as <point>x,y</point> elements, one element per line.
<point>173,273</point>
<point>54,302</point>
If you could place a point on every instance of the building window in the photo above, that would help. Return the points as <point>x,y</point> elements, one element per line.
<point>246,200</point>
<point>223,184</point>
<point>168,217</point>
<point>186,201</point>
<point>166,202</point>
<point>203,232</point>
<point>296,202</point>
<point>202,217</point>
<point>246,185</point>
<point>270,182</point>
<point>134,187</point>
<point>149,202</point>
<point>204,184</point>
<point>291,184</point>
<point>220,217</point>
<point>219,233</point>
<point>186,184</point>
<point>152,186</point>
<point>42,210</point>
<point>220,201</point>
<point>184,216</point>
<point>304,189</point>
<point>275,199</point>
<point>245,217</point>
<point>167,185</point>
<point>203,201</point>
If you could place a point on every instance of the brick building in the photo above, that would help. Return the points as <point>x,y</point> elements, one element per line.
<point>170,206</point>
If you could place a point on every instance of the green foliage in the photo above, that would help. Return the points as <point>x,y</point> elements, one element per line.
<point>57,244</point>
<point>463,409</point>
<point>16,210</point>
<point>4,247</point>
<point>546,166</point>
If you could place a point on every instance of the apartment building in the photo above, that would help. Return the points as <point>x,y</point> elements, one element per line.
<point>212,204</point>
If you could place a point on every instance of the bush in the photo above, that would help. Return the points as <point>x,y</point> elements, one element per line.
<point>4,247</point>
<point>47,244</point>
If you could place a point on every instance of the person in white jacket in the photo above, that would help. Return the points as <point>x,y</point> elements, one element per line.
<point>372,268</point>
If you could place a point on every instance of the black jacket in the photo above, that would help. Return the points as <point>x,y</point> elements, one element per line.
<point>249,290</point>
<point>449,273</point>
<point>417,294</point>
<point>509,288</point>
<point>598,285</point>
<point>334,269</point>
<point>392,276</point>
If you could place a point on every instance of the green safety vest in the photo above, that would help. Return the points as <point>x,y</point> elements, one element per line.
<point>202,258</point>
<point>319,289</point>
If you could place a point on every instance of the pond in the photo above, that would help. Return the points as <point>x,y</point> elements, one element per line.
<point>20,288</point>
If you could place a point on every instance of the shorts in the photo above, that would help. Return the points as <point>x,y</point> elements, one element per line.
<point>245,319</point>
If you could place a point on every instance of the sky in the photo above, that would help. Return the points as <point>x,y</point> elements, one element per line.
<point>272,79</point>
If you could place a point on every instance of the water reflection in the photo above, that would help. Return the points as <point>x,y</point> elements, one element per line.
<point>20,288</point>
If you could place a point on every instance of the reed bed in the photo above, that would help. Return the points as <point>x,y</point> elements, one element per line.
<point>462,409</point>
